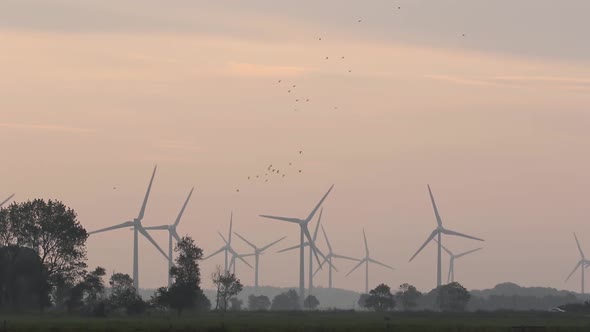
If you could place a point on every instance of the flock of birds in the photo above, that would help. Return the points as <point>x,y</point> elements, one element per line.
<point>273,171</point>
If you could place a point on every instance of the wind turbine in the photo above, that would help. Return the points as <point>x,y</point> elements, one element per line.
<point>451,276</point>
<point>234,255</point>
<point>304,232</point>
<point>437,232</point>
<point>257,253</point>
<point>227,249</point>
<point>583,263</point>
<point>137,228</point>
<point>172,233</point>
<point>366,261</point>
<point>306,244</point>
<point>6,200</point>
<point>331,254</point>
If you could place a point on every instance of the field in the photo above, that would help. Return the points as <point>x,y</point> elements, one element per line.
<point>308,321</point>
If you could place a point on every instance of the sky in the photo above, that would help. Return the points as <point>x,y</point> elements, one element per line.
<point>486,101</point>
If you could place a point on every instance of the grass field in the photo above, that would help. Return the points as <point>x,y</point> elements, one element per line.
<point>308,321</point>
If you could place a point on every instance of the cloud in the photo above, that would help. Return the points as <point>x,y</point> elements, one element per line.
<point>177,145</point>
<point>547,79</point>
<point>45,127</point>
<point>460,80</point>
<point>257,70</point>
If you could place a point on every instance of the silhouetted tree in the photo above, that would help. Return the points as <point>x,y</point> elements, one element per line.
<point>362,301</point>
<point>258,303</point>
<point>52,230</point>
<point>408,296</point>
<point>228,286</point>
<point>311,302</point>
<point>124,295</point>
<point>380,298</point>
<point>185,291</point>
<point>453,297</point>
<point>236,304</point>
<point>20,279</point>
<point>288,300</point>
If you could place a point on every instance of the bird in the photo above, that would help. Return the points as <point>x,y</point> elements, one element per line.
<point>307,100</point>
<point>350,71</point>
<point>463,35</point>
<point>326,58</point>
<point>280,81</point>
<point>238,190</point>
<point>289,91</point>
<point>300,152</point>
<point>294,85</point>
<point>320,38</point>
<point>114,188</point>
<point>296,100</point>
<point>299,171</point>
<point>290,164</point>
<point>359,21</point>
<point>342,57</point>
<point>248,178</point>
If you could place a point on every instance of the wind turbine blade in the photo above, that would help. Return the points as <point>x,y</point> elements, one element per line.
<point>345,257</point>
<point>382,264</point>
<point>356,267</point>
<point>579,247</point>
<point>223,238</point>
<point>271,244</point>
<point>149,237</point>
<point>232,261</point>
<point>366,245</point>
<point>215,253</point>
<point>467,252</point>
<point>438,220</point>
<point>231,224</point>
<point>319,204</point>
<point>320,267</point>
<point>156,228</point>
<point>175,235</point>
<point>430,238</point>
<point>123,225</point>
<point>147,195</point>
<point>445,248</point>
<point>6,200</point>
<point>183,207</point>
<point>450,232</point>
<point>293,220</point>
<point>291,248</point>
<point>312,246</point>
<point>317,226</point>
<point>248,242</point>
<point>573,271</point>
<point>244,261</point>
<point>326,237</point>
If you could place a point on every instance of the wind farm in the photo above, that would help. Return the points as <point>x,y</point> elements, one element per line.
<point>293,166</point>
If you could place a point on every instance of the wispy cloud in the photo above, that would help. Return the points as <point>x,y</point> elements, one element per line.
<point>251,69</point>
<point>177,145</point>
<point>44,127</point>
<point>460,80</point>
<point>546,79</point>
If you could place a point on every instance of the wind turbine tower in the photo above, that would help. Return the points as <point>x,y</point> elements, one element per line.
<point>137,229</point>
<point>366,261</point>
<point>582,264</point>
<point>257,253</point>
<point>304,233</point>
<point>437,233</point>
<point>172,234</point>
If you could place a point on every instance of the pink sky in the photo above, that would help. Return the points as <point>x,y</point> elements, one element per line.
<point>92,96</point>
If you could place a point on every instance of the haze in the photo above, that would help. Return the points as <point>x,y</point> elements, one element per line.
<point>486,101</point>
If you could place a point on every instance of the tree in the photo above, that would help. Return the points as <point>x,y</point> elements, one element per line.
<point>185,291</point>
<point>228,286</point>
<point>258,303</point>
<point>380,298</point>
<point>20,280</point>
<point>453,297</point>
<point>53,231</point>
<point>124,295</point>
<point>311,302</point>
<point>288,300</point>
<point>236,304</point>
<point>362,301</point>
<point>408,296</point>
